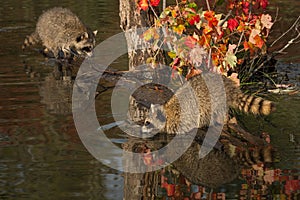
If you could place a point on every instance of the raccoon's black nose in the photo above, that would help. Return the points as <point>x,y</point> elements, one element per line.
<point>87,49</point>
<point>147,123</point>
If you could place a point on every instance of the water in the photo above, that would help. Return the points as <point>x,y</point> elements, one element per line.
<point>41,155</point>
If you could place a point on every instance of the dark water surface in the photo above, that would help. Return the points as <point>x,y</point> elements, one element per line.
<point>41,155</point>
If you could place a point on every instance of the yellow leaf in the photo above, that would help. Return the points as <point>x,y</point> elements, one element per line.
<point>172,54</point>
<point>150,60</point>
<point>179,29</point>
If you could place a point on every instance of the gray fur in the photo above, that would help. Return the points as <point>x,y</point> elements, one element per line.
<point>61,32</point>
<point>186,115</point>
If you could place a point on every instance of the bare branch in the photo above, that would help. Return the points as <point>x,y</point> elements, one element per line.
<point>240,40</point>
<point>225,19</point>
<point>276,16</point>
<point>153,10</point>
<point>292,41</point>
<point>295,23</point>
<point>164,4</point>
<point>208,7</point>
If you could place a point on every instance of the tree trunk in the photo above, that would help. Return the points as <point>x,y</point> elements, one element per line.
<point>131,20</point>
<point>135,185</point>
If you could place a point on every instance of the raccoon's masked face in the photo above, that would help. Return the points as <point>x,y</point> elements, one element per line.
<point>156,119</point>
<point>85,43</point>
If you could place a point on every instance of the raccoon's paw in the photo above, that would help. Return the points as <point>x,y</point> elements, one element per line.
<point>47,53</point>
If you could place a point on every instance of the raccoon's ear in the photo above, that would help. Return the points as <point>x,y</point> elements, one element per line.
<point>82,36</point>
<point>95,32</point>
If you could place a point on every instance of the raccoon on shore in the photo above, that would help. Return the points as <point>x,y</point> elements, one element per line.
<point>180,114</point>
<point>62,34</point>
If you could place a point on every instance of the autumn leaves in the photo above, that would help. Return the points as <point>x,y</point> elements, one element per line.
<point>223,41</point>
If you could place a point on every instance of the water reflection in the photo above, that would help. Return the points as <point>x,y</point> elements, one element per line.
<point>186,177</point>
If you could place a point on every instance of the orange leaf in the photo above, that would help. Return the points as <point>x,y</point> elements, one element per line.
<point>210,17</point>
<point>246,45</point>
<point>241,27</point>
<point>259,41</point>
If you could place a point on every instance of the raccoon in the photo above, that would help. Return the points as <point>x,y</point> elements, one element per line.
<point>62,34</point>
<point>175,118</point>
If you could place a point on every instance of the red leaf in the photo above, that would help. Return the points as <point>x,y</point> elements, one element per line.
<point>194,19</point>
<point>245,6</point>
<point>170,189</point>
<point>263,3</point>
<point>154,2</point>
<point>232,24</point>
<point>291,186</point>
<point>143,4</point>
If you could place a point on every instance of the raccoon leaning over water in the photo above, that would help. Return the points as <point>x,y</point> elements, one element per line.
<point>62,34</point>
<point>175,118</point>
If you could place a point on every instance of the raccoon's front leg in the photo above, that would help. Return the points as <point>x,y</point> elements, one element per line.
<point>59,53</point>
<point>31,40</point>
<point>64,52</point>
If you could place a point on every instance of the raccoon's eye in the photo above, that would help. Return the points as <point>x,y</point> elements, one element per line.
<point>79,38</point>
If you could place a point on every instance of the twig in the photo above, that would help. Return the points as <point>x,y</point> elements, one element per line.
<point>276,16</point>
<point>240,40</point>
<point>208,7</point>
<point>292,41</point>
<point>224,20</point>
<point>164,4</point>
<point>257,68</point>
<point>152,9</point>
<point>295,23</point>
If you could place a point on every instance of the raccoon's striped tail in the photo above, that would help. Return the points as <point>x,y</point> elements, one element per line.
<point>254,105</point>
<point>31,40</point>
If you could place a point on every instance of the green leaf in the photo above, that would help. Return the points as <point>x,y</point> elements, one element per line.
<point>231,59</point>
<point>192,5</point>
